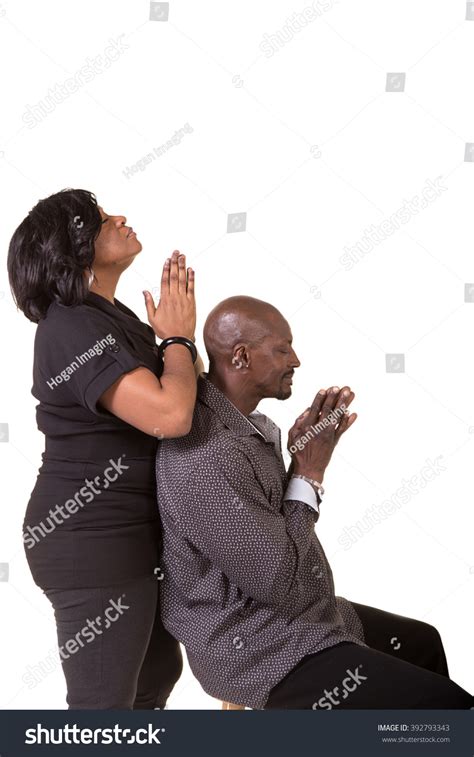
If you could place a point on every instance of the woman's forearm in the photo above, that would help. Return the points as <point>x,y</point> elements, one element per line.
<point>178,381</point>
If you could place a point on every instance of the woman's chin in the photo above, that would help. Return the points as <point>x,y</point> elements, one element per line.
<point>136,246</point>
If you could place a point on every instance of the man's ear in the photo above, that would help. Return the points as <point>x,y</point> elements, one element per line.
<point>246,357</point>
<point>241,357</point>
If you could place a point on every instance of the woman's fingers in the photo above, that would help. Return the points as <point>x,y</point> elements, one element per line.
<point>191,278</point>
<point>182,274</point>
<point>150,305</point>
<point>176,311</point>
<point>165,278</point>
<point>175,277</point>
<point>174,274</point>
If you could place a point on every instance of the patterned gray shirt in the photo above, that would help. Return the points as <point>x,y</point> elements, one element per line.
<point>246,585</point>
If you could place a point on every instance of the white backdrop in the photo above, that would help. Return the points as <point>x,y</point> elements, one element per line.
<point>342,136</point>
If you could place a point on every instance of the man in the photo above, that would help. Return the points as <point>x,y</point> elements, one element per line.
<point>246,585</point>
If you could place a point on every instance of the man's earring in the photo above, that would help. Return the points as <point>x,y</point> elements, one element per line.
<point>236,362</point>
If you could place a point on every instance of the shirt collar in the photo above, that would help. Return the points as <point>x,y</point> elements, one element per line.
<point>230,416</point>
<point>121,313</point>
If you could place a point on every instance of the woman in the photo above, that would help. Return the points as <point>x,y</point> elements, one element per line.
<point>106,396</point>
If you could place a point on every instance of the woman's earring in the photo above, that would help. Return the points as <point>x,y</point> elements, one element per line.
<point>91,278</point>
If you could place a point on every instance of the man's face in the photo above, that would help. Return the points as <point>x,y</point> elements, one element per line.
<point>273,362</point>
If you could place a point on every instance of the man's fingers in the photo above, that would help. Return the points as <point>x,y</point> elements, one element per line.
<point>315,408</point>
<point>345,423</point>
<point>299,426</point>
<point>353,417</point>
<point>309,416</point>
<point>301,418</point>
<point>324,403</point>
<point>330,400</point>
<point>345,398</point>
<point>340,412</point>
<point>331,404</point>
<point>337,401</point>
<point>342,426</point>
<point>318,401</point>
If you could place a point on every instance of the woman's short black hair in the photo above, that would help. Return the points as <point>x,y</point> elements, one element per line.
<point>51,249</point>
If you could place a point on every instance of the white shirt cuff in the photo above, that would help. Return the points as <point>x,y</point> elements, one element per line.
<point>303,492</point>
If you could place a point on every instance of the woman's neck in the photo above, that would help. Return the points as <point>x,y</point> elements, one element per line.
<point>105,284</point>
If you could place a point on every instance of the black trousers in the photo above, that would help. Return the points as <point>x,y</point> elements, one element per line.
<point>115,652</point>
<point>403,667</point>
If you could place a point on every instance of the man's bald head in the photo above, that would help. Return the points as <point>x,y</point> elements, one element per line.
<point>238,320</point>
<point>249,344</point>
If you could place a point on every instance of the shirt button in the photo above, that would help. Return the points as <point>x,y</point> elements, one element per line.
<point>114,348</point>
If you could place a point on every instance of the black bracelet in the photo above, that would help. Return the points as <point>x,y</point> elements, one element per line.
<point>178,340</point>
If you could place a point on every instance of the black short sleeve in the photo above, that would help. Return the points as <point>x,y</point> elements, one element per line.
<point>80,352</point>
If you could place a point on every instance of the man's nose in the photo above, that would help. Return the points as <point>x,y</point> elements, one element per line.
<point>294,360</point>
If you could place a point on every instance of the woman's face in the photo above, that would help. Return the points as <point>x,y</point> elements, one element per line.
<point>116,244</point>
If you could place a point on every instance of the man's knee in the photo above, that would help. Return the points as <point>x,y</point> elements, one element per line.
<point>448,695</point>
<point>430,634</point>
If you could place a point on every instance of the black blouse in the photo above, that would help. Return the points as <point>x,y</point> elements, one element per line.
<point>92,517</point>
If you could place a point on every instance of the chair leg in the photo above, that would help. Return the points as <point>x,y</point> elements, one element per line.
<point>230,706</point>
